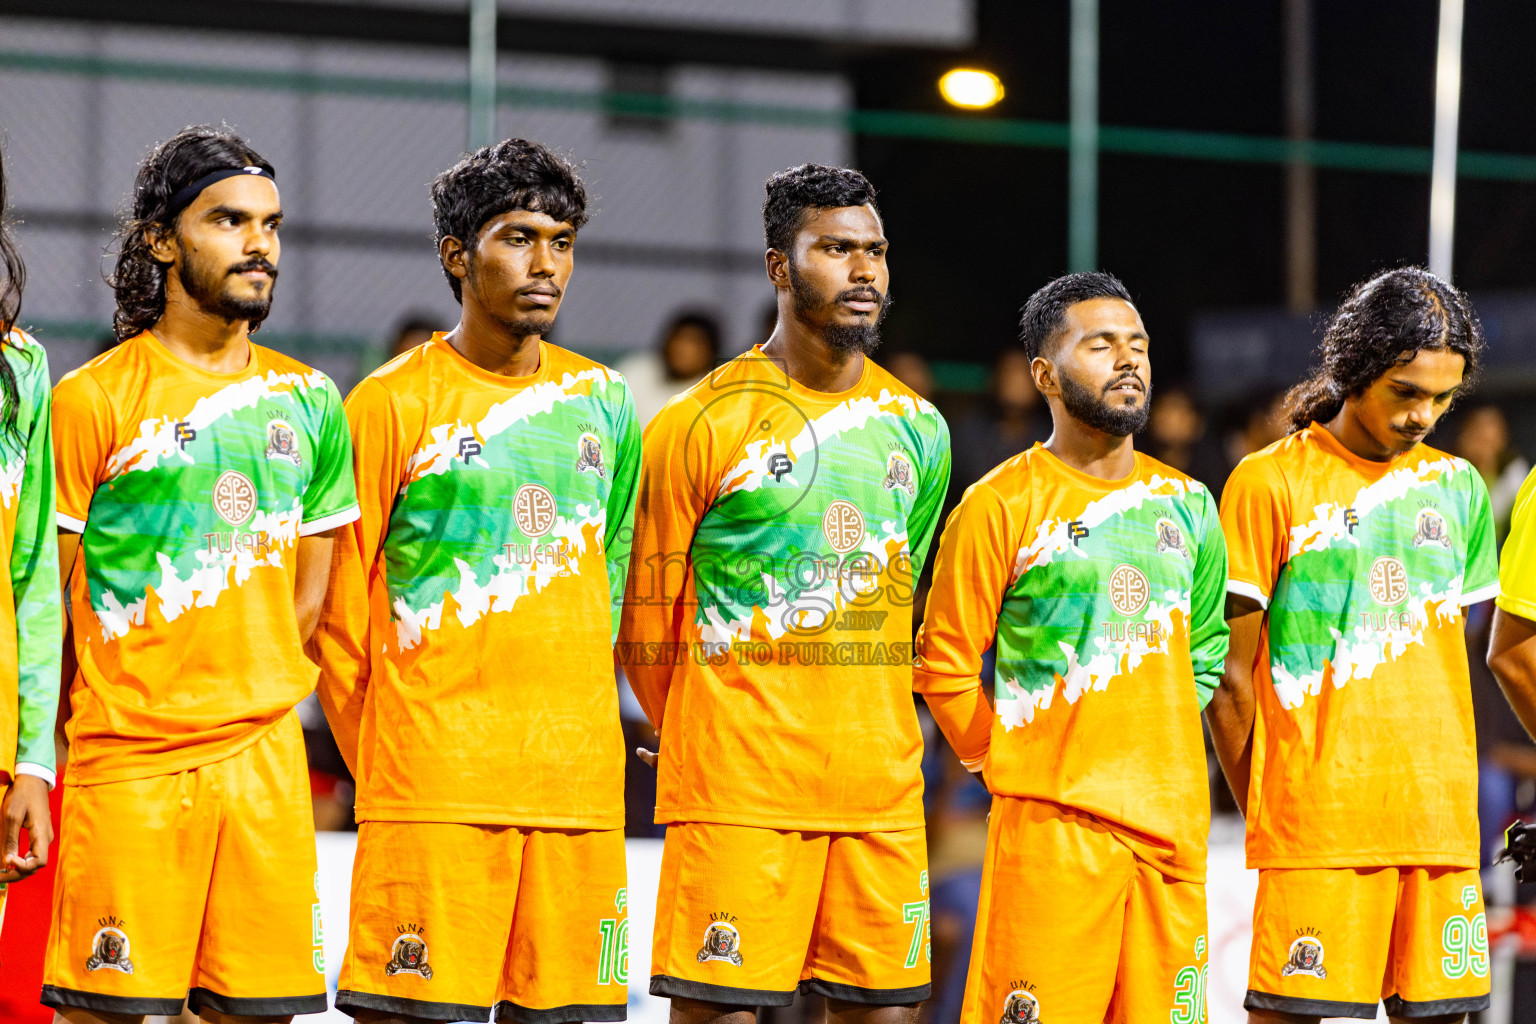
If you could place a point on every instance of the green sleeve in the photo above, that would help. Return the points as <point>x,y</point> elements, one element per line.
<point>1480,578</point>
<point>930,498</point>
<point>620,519</point>
<point>35,567</point>
<point>331,497</point>
<point>1208,631</point>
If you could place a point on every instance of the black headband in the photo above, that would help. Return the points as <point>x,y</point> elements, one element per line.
<point>184,196</point>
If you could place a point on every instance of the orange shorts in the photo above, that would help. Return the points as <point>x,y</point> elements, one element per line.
<point>1073,926</point>
<point>1330,942</point>
<point>451,921</point>
<point>746,915</point>
<point>204,878</point>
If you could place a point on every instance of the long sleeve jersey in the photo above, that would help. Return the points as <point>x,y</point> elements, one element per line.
<point>29,543</point>
<point>467,641</point>
<point>1105,601</point>
<point>779,536</point>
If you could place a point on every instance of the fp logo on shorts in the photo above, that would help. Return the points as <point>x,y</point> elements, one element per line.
<point>109,948</point>
<point>1021,1008</point>
<point>1306,958</point>
<point>409,956</point>
<point>721,942</point>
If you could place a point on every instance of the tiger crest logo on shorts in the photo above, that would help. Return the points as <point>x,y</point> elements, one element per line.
<point>589,454</point>
<point>1021,1008</point>
<point>721,942</point>
<point>409,954</point>
<point>1170,538</point>
<point>1306,958</point>
<point>109,948</point>
<point>898,473</point>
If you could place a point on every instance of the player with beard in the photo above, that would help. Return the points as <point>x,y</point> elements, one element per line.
<point>1099,573</point>
<point>201,479</point>
<point>29,652</point>
<point>496,474</point>
<point>1344,722</point>
<point>786,506</point>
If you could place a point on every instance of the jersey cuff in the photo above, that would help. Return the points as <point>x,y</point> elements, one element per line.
<point>331,521</point>
<point>975,766</point>
<point>28,768</point>
<point>1243,588</point>
<point>1480,594</point>
<point>1516,606</point>
<point>71,524</point>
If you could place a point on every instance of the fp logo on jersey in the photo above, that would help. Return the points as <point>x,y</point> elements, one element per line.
<point>184,433</point>
<point>469,448</point>
<point>534,509</point>
<point>779,464</point>
<point>1388,580</point>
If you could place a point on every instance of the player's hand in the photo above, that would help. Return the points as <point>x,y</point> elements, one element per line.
<point>25,806</point>
<point>650,757</point>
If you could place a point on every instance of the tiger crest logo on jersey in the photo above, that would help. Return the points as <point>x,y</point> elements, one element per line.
<point>1306,958</point>
<point>1431,529</point>
<point>109,948</point>
<point>898,473</point>
<point>721,942</point>
<point>1170,538</point>
<point>589,454</point>
<point>409,954</point>
<point>282,442</point>
<point>1021,1008</point>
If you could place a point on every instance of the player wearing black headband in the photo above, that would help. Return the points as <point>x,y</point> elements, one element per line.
<point>200,480</point>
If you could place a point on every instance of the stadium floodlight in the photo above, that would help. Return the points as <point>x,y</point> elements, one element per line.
<point>971,88</point>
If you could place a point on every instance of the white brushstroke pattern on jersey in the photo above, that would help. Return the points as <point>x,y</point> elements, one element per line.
<point>1357,653</point>
<point>513,579</point>
<point>219,571</point>
<point>157,438</point>
<point>1053,537</point>
<point>437,455</point>
<point>11,476</point>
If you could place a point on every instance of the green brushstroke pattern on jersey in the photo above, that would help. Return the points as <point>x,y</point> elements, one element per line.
<point>761,545</point>
<point>1433,517</point>
<point>153,524</point>
<point>1058,619</point>
<point>455,531</point>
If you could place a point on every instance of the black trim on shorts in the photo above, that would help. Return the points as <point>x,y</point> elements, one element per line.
<point>866,996</point>
<point>1397,1006</point>
<point>724,995</point>
<point>1308,1007</point>
<point>348,1000</point>
<point>59,998</point>
<point>572,1014</point>
<point>242,1006</point>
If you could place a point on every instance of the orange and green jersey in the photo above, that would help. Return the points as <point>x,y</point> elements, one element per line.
<point>29,593</point>
<point>1517,563</point>
<point>1104,598</point>
<point>190,490</point>
<point>1363,747</point>
<point>779,535</point>
<point>467,642</point>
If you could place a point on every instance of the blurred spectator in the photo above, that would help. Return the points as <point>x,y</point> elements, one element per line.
<point>1483,440</point>
<point>414,329</point>
<point>1014,420</point>
<point>911,369</point>
<point>1261,422</point>
<point>689,349</point>
<point>1176,436</point>
<point>331,792</point>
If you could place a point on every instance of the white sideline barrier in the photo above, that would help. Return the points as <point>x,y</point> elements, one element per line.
<point>1230,890</point>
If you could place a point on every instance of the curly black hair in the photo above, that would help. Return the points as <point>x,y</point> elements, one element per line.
<point>808,187</point>
<point>1385,321</point>
<point>513,174</point>
<point>1044,312</point>
<point>13,277</point>
<point>139,278</point>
